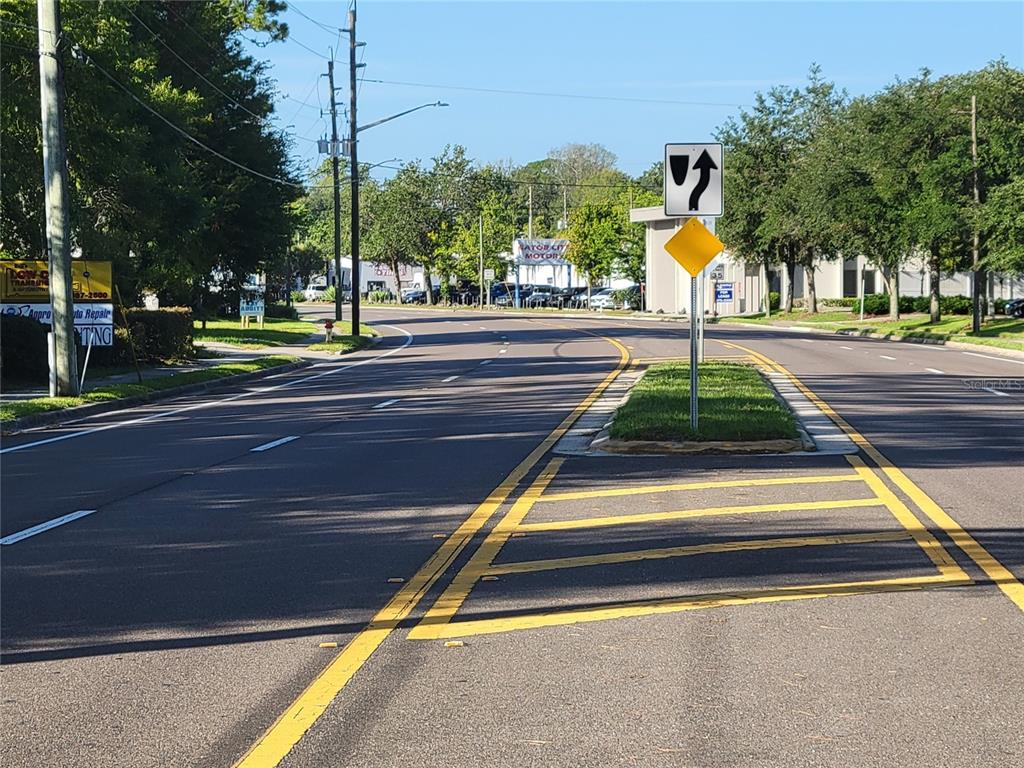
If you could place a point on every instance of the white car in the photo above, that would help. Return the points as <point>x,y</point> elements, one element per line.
<point>602,299</point>
<point>314,291</point>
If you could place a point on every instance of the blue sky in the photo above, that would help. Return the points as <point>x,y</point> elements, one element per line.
<point>710,56</point>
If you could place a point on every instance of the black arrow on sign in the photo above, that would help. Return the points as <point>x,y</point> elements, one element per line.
<point>679,165</point>
<point>705,165</point>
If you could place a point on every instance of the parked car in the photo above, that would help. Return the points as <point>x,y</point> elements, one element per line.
<point>314,291</point>
<point>414,296</point>
<point>543,296</point>
<point>1014,308</point>
<point>603,299</point>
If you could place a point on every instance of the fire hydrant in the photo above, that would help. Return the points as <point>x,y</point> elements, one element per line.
<point>328,329</point>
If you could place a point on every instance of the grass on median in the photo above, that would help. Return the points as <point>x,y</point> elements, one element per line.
<point>17,408</point>
<point>343,344</point>
<point>276,332</point>
<point>736,404</point>
<point>1005,332</point>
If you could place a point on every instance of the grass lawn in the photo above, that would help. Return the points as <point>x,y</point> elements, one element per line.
<point>276,332</point>
<point>736,403</point>
<point>343,344</point>
<point>837,316</point>
<point>1005,332</point>
<point>17,408</point>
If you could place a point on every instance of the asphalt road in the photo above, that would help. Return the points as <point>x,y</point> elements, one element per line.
<point>178,621</point>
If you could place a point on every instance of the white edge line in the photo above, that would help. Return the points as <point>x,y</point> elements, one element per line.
<point>840,346</point>
<point>273,444</point>
<point>386,403</point>
<point>450,378</point>
<point>262,390</point>
<point>995,392</point>
<point>992,357</point>
<point>932,370</point>
<point>15,537</point>
<point>486,362</point>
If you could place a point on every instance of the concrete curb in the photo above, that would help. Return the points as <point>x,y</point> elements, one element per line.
<point>71,415</point>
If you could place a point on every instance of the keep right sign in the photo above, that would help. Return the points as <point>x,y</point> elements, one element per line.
<point>693,180</point>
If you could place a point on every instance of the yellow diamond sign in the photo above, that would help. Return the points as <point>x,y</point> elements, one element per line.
<point>693,246</point>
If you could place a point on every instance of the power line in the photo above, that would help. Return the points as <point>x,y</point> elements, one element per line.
<point>547,94</point>
<point>81,52</point>
<point>294,7</point>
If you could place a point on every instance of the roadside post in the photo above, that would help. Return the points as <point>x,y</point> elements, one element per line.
<point>489,278</point>
<point>693,189</point>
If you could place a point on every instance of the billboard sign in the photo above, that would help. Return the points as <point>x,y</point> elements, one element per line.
<point>28,282</point>
<point>540,252</point>
<point>95,321</point>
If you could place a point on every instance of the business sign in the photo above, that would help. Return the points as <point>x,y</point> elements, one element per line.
<point>723,292</point>
<point>251,305</point>
<point>540,252</point>
<point>28,282</point>
<point>95,321</point>
<point>693,180</point>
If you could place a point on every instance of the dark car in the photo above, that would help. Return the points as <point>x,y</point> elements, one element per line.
<point>543,296</point>
<point>1014,308</point>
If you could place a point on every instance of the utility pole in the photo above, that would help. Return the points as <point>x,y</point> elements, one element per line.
<point>481,261</point>
<point>354,169</point>
<point>529,223</point>
<point>977,274</point>
<point>337,192</point>
<point>64,361</point>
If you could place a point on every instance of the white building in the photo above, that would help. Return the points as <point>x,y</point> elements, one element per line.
<point>668,284</point>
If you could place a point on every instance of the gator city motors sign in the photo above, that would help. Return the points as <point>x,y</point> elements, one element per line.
<point>29,281</point>
<point>537,252</point>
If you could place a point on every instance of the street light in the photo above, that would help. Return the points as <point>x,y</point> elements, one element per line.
<point>354,163</point>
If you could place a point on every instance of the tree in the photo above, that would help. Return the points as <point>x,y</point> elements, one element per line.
<point>594,238</point>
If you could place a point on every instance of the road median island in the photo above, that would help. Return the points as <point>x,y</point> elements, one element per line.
<point>344,344</point>
<point>22,414</point>
<point>739,413</point>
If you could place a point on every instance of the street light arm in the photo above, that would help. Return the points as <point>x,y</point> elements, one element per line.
<point>375,123</point>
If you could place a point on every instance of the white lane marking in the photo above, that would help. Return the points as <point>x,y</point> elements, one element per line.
<point>809,341</point>
<point>991,357</point>
<point>482,328</point>
<point>486,362</point>
<point>273,444</point>
<point>934,370</point>
<point>450,378</point>
<point>504,343</point>
<point>887,357</point>
<point>206,404</point>
<point>45,526</point>
<point>842,346</point>
<point>502,351</point>
<point>995,392</point>
<point>386,403</point>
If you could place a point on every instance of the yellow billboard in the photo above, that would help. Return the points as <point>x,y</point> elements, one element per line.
<point>29,281</point>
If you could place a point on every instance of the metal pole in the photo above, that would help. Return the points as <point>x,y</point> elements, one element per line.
<point>55,188</point>
<point>354,169</point>
<point>337,194</point>
<point>693,354</point>
<point>481,261</point>
<point>977,281</point>
<point>529,223</point>
<point>862,266</point>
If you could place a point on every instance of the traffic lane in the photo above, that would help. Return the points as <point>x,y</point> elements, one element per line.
<point>189,604</point>
<point>118,462</point>
<point>833,681</point>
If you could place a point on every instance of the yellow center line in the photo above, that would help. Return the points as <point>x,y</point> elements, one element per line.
<point>1000,575</point>
<point>683,514</point>
<point>641,489</point>
<point>301,714</point>
<point>613,558</point>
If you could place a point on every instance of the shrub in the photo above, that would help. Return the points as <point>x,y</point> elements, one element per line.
<point>907,304</point>
<point>298,296</point>
<point>846,301</point>
<point>167,334</point>
<point>282,311</point>
<point>955,305</point>
<point>1000,306</point>
<point>22,349</point>
<point>328,294</point>
<point>876,304</point>
<point>922,304</point>
<point>774,300</point>
<point>380,297</point>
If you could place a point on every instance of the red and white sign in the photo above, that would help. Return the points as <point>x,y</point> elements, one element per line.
<point>537,252</point>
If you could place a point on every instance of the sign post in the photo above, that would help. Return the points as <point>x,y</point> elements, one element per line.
<point>693,189</point>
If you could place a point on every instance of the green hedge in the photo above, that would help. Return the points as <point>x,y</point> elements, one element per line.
<point>22,349</point>
<point>281,310</point>
<point>158,334</point>
<point>847,301</point>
